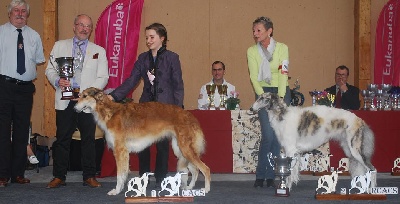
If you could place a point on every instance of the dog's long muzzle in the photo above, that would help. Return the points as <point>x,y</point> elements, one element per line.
<point>78,109</point>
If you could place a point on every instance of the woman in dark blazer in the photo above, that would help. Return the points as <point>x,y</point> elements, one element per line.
<point>161,72</point>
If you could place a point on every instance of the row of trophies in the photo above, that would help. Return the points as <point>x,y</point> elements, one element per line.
<point>376,97</point>
<point>380,97</point>
<point>222,91</point>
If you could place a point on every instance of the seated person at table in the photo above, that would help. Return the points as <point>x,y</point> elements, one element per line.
<point>218,72</point>
<point>347,96</point>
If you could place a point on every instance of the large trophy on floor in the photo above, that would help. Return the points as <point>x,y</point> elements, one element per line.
<point>65,69</point>
<point>282,166</point>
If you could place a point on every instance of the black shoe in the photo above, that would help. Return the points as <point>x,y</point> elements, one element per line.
<point>258,183</point>
<point>157,187</point>
<point>270,183</point>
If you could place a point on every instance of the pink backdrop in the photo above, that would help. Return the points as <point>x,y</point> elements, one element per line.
<point>117,30</point>
<point>387,45</point>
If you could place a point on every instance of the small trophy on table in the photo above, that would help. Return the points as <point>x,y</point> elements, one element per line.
<point>210,92</point>
<point>222,91</point>
<point>395,101</point>
<point>387,105</point>
<point>331,98</point>
<point>366,94</point>
<point>313,95</point>
<point>373,88</point>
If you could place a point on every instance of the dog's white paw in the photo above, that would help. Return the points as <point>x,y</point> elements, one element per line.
<point>112,192</point>
<point>206,189</point>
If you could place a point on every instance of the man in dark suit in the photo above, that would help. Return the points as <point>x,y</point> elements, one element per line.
<point>347,96</point>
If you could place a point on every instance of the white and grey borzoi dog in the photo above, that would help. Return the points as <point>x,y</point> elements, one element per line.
<point>301,130</point>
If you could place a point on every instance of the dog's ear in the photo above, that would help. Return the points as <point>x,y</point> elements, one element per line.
<point>274,97</point>
<point>274,100</point>
<point>99,95</point>
<point>96,93</point>
<point>266,100</point>
<point>91,91</point>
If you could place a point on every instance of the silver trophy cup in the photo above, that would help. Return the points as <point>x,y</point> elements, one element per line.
<point>387,105</point>
<point>366,94</point>
<point>282,166</point>
<point>373,88</point>
<point>65,69</point>
<point>395,101</point>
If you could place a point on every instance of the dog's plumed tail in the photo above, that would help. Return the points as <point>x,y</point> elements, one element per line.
<point>362,145</point>
<point>368,146</point>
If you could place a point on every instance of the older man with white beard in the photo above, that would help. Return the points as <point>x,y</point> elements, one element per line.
<point>20,51</point>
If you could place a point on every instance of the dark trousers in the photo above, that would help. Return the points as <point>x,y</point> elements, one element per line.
<point>67,121</point>
<point>15,108</point>
<point>161,160</point>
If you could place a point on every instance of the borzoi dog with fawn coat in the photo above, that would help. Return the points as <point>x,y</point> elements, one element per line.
<point>132,127</point>
<point>301,130</point>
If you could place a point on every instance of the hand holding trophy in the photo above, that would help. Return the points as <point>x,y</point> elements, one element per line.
<point>65,69</point>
